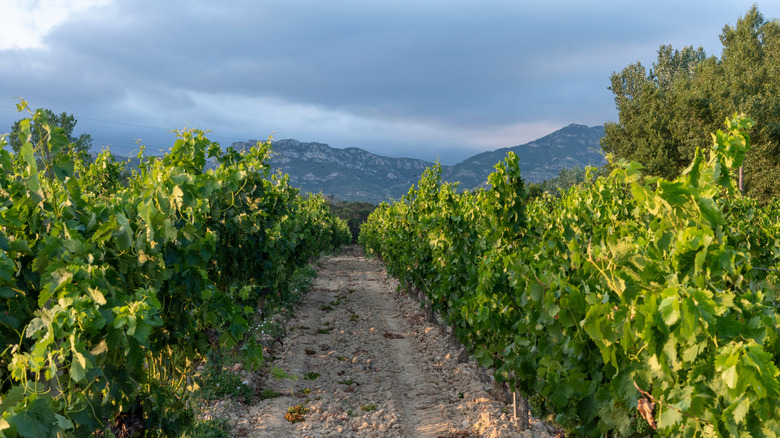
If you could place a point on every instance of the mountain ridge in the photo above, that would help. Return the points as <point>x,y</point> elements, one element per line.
<point>540,159</point>
<point>354,174</point>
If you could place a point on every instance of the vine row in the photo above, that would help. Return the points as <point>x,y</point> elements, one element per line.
<point>628,306</point>
<point>112,291</point>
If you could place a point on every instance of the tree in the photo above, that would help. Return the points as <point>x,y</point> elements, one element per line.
<point>648,104</point>
<point>48,139</point>
<point>77,146</point>
<point>355,213</point>
<point>668,112</point>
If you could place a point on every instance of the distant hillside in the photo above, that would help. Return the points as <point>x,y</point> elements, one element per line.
<point>353,174</point>
<point>350,174</point>
<point>540,160</point>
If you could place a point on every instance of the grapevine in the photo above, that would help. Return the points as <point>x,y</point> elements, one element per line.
<point>111,289</point>
<point>624,281</point>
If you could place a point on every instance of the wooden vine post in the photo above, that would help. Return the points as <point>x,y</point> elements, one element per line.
<point>741,178</point>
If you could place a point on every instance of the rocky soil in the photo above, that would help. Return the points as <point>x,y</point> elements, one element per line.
<point>368,363</point>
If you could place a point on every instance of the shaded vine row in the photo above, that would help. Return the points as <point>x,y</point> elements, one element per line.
<point>112,291</point>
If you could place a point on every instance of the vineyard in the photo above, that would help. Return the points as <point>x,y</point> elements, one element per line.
<point>627,306</point>
<point>113,290</point>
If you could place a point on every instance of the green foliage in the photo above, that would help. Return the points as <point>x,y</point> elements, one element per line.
<point>103,175</point>
<point>214,428</point>
<point>666,114</point>
<point>303,279</point>
<point>355,213</point>
<point>669,285</point>
<point>566,179</point>
<point>111,292</point>
<point>279,374</point>
<point>46,126</point>
<point>268,393</point>
<point>218,383</point>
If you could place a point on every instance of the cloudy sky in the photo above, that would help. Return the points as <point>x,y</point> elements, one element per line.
<point>418,78</point>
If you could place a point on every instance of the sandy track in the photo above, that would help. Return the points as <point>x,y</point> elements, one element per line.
<point>384,370</point>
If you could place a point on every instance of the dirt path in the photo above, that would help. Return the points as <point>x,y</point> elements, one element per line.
<point>374,367</point>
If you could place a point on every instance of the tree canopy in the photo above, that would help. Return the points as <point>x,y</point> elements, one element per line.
<point>78,146</point>
<point>669,111</point>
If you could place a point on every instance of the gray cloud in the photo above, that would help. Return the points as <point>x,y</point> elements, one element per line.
<point>424,79</point>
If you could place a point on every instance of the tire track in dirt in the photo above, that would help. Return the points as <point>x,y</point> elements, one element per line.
<point>382,370</point>
<point>414,388</point>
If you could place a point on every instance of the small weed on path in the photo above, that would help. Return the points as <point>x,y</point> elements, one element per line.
<point>218,383</point>
<point>295,413</point>
<point>279,373</point>
<point>268,394</point>
<point>214,428</point>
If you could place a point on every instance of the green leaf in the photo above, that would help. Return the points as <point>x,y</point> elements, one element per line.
<point>58,279</point>
<point>63,423</point>
<point>170,230</point>
<point>97,296</point>
<point>689,322</point>
<point>11,398</point>
<point>28,156</point>
<point>35,420</point>
<point>78,367</point>
<point>592,324</point>
<point>741,410</point>
<point>8,292</point>
<point>104,232</point>
<point>146,211</point>
<point>691,353</point>
<point>668,418</point>
<point>20,246</point>
<point>675,193</point>
<point>37,324</point>
<point>142,332</point>
<point>711,211</point>
<point>535,291</point>
<point>670,310</point>
<point>730,376</point>
<point>123,235</point>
